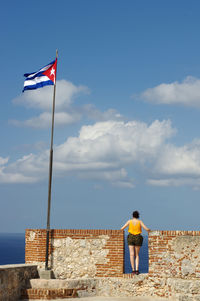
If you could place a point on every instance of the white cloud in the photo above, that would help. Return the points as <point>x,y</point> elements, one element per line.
<point>44,120</point>
<point>177,166</point>
<point>13,176</point>
<point>124,184</point>
<point>3,161</point>
<point>107,151</point>
<point>176,182</point>
<point>42,98</point>
<point>185,93</point>
<point>112,143</point>
<point>93,113</point>
<point>183,160</point>
<point>102,151</point>
<point>117,178</point>
<point>65,112</point>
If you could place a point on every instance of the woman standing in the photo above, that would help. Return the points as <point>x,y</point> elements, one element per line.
<point>135,240</point>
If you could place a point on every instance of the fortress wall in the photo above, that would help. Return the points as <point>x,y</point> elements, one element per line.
<point>78,253</point>
<point>174,261</point>
<point>100,253</point>
<point>13,278</point>
<point>174,254</point>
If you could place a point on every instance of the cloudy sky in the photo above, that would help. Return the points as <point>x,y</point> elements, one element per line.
<point>127,120</point>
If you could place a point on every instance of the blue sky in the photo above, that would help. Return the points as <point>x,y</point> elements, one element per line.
<point>127,114</point>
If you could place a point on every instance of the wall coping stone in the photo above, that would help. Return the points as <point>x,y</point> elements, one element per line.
<point>18,265</point>
<point>174,232</point>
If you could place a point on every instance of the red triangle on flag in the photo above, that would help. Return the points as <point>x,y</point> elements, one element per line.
<point>51,72</point>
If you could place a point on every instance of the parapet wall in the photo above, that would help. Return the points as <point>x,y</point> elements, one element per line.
<point>13,278</point>
<point>100,253</point>
<point>174,254</point>
<point>174,261</point>
<point>78,253</point>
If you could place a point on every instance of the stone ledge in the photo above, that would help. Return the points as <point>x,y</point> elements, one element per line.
<point>14,266</point>
<point>140,276</point>
<point>140,286</point>
<point>62,283</point>
<point>80,287</point>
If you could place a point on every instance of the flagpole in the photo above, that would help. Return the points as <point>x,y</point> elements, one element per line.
<point>50,173</point>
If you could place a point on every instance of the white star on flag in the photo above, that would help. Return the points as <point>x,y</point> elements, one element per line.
<point>52,71</point>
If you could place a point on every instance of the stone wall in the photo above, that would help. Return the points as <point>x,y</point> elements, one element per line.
<point>60,288</point>
<point>78,253</point>
<point>146,286</point>
<point>174,262</point>
<point>131,286</point>
<point>174,254</point>
<point>13,278</point>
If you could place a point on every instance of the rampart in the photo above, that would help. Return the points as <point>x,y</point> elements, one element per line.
<point>174,261</point>
<point>174,254</point>
<point>14,278</point>
<point>78,253</point>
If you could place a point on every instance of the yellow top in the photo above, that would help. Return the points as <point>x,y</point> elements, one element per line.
<point>135,229</point>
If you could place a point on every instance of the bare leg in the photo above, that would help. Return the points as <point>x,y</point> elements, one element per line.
<point>137,250</point>
<point>132,255</point>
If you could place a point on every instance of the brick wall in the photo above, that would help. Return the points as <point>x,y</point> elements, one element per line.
<point>174,254</point>
<point>98,252</point>
<point>174,262</point>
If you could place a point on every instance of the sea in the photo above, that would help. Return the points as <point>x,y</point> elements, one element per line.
<point>12,251</point>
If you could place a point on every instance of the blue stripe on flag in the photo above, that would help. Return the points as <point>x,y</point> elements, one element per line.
<point>34,76</point>
<point>38,85</point>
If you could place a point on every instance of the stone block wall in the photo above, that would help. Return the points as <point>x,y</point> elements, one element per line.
<point>174,254</point>
<point>98,255</point>
<point>13,278</point>
<point>78,253</point>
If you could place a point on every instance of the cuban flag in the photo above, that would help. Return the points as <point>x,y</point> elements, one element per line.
<point>44,77</point>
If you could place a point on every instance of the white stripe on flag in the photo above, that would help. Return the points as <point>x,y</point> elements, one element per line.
<point>36,81</point>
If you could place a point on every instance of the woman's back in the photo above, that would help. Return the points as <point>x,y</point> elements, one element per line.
<point>135,226</point>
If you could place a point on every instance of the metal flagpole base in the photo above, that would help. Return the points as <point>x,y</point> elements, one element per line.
<point>46,274</point>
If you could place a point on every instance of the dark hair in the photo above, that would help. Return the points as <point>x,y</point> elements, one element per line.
<point>136,214</point>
